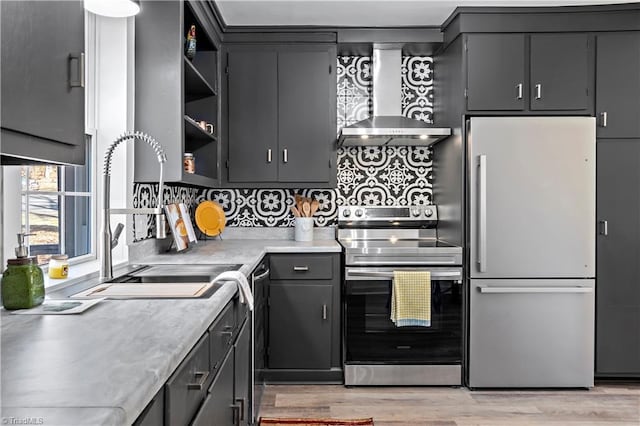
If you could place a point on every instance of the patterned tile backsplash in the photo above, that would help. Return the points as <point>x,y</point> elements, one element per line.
<point>366,175</point>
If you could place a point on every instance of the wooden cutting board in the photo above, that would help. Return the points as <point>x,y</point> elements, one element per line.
<point>161,290</point>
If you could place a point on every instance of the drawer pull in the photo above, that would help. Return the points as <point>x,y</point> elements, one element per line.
<point>324,312</point>
<point>301,268</point>
<point>203,376</point>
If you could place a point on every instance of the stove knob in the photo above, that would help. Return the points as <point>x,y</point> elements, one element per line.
<point>346,213</point>
<point>359,213</point>
<point>415,212</point>
<point>428,212</point>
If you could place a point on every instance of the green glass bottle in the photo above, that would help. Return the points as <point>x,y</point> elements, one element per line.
<point>22,281</point>
<point>22,284</point>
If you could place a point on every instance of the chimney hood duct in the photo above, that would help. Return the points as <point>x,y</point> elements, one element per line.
<point>388,127</point>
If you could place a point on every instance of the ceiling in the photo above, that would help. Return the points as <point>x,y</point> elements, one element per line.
<point>362,13</point>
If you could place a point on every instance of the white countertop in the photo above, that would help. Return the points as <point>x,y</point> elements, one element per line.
<point>104,366</point>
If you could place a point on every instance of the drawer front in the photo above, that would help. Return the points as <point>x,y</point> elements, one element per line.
<point>186,389</point>
<point>218,407</point>
<point>305,267</point>
<point>221,336</point>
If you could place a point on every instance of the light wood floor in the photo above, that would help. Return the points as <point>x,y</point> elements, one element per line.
<point>606,404</point>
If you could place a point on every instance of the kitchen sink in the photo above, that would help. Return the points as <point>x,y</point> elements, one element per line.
<point>174,273</point>
<point>161,282</point>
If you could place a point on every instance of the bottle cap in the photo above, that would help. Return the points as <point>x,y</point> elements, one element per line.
<point>21,261</point>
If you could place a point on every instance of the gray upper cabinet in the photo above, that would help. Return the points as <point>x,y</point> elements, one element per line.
<point>306,115</point>
<point>559,72</point>
<point>495,72</point>
<point>173,93</point>
<point>253,116</point>
<point>618,85</point>
<point>281,114</point>
<point>528,73</point>
<point>42,82</point>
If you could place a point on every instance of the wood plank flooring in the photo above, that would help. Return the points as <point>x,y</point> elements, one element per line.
<point>606,404</point>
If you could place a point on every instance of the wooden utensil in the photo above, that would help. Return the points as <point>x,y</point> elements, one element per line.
<point>295,211</point>
<point>314,206</point>
<point>306,209</point>
<point>299,202</point>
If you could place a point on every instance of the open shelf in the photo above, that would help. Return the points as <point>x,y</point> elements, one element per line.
<point>196,86</point>
<point>194,135</point>
<point>199,180</point>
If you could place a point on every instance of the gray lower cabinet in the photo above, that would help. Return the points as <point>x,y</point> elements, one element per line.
<point>303,318</point>
<point>42,82</point>
<point>153,414</point>
<point>242,376</point>
<point>187,387</point>
<point>217,407</point>
<point>618,85</point>
<point>300,325</point>
<point>281,113</point>
<point>212,384</point>
<point>618,269</point>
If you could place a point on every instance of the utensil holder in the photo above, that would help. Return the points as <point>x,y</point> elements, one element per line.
<point>304,229</point>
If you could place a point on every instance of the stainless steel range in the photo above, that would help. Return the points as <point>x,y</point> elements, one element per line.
<point>378,241</point>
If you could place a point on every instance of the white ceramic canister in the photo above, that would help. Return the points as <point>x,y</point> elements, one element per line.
<point>304,229</point>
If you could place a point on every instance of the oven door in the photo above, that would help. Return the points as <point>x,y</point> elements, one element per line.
<point>372,338</point>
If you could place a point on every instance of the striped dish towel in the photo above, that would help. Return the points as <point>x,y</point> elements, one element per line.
<point>411,299</point>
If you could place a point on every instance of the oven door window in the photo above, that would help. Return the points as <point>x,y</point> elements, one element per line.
<point>371,336</point>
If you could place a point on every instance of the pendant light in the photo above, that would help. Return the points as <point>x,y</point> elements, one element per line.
<point>113,8</point>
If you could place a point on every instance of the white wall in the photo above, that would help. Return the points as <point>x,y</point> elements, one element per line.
<point>112,106</point>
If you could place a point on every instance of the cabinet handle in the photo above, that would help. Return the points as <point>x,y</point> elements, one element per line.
<point>604,227</point>
<point>260,277</point>
<point>241,408</point>
<point>300,268</point>
<point>236,414</point>
<point>80,58</point>
<point>538,91</point>
<point>324,312</point>
<point>269,155</point>
<point>201,381</point>
<point>519,88</point>
<point>603,119</point>
<point>285,155</point>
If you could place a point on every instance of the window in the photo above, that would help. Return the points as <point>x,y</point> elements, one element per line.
<point>56,209</point>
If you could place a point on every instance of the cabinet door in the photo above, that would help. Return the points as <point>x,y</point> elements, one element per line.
<point>42,75</point>
<point>559,72</point>
<point>306,115</point>
<point>242,369</point>
<point>618,85</point>
<point>299,325</point>
<point>217,407</point>
<point>495,72</point>
<point>253,116</point>
<point>618,276</point>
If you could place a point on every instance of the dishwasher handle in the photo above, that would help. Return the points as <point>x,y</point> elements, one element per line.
<point>519,290</point>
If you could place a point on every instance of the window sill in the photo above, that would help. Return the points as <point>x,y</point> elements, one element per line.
<point>77,272</point>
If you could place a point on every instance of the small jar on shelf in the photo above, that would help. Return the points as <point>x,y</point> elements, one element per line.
<point>189,163</point>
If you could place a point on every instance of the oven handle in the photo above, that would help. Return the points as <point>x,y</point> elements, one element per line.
<point>381,275</point>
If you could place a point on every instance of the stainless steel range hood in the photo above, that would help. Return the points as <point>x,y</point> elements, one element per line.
<point>387,126</point>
